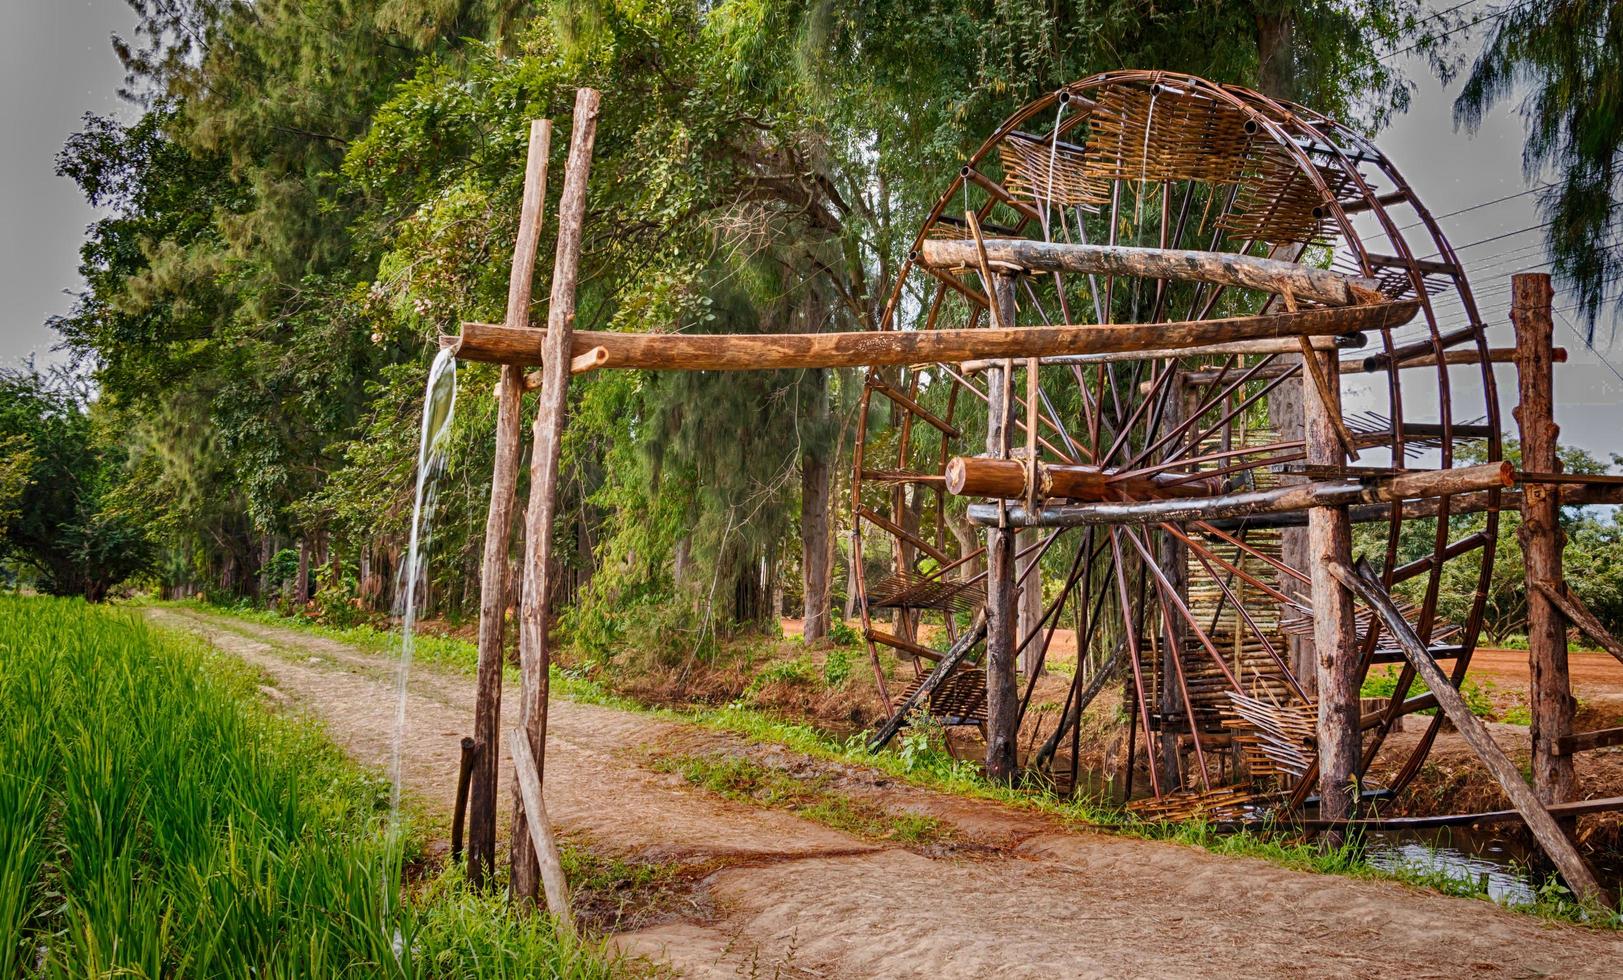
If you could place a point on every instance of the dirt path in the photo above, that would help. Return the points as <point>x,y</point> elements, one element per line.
<point>782,896</point>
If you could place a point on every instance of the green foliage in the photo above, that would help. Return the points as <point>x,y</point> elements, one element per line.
<point>1384,683</point>
<point>837,666</point>
<point>210,810</point>
<point>1563,59</point>
<point>62,521</point>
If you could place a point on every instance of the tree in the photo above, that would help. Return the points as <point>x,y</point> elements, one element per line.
<point>63,525</point>
<point>1567,56</point>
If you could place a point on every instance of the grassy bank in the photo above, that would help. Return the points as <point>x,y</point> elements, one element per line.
<point>161,822</point>
<point>919,759</point>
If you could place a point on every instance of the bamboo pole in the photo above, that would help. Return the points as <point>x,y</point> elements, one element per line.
<point>501,344</point>
<point>545,844</point>
<point>1546,830</point>
<point>1278,500</point>
<point>1360,365</point>
<point>534,655</point>
<point>1267,345</point>
<point>1223,268</point>
<point>494,580</point>
<point>1550,691</point>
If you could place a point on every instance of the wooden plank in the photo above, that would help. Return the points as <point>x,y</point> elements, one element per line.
<point>1585,741</point>
<point>495,583</point>
<point>540,831</point>
<point>501,344</point>
<point>536,612</point>
<point>1549,834</point>
<point>1429,483</point>
<point>1224,268</point>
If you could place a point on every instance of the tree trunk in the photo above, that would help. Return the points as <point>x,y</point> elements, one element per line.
<point>1276,58</point>
<point>816,484</point>
<point>301,581</point>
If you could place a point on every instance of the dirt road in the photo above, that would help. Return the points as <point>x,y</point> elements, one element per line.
<point>781,896</point>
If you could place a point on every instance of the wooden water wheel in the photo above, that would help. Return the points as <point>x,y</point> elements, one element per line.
<point>1153,503</point>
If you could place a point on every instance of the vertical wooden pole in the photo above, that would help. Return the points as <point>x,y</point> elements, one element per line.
<point>534,656</point>
<point>1550,695</point>
<point>1002,695</point>
<point>1335,638</point>
<point>1173,558</point>
<point>494,581</point>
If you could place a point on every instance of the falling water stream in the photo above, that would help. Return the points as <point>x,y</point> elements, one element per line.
<point>439,402</point>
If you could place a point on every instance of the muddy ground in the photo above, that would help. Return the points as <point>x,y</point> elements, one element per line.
<point>1002,892</point>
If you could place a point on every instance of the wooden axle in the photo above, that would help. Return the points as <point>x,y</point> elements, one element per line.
<point>1278,500</point>
<point>502,344</point>
<point>1005,479</point>
<point>1304,282</point>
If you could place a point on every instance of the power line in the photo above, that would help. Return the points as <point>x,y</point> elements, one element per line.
<point>1474,207</point>
<point>1585,341</point>
<point>1463,27</point>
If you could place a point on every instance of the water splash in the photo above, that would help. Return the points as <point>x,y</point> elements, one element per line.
<point>439,404</point>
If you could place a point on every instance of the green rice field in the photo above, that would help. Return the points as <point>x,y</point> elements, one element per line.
<point>156,819</point>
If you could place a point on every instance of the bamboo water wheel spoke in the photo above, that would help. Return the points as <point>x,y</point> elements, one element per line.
<point>1159,199</point>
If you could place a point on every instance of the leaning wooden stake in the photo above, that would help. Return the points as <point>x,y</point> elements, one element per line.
<point>1550,694</point>
<point>495,586</point>
<point>534,657</point>
<point>1568,861</point>
<point>541,838</point>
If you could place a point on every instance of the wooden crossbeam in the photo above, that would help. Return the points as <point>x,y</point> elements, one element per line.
<point>1305,282</point>
<point>1276,500</point>
<point>503,344</point>
<point>1585,741</point>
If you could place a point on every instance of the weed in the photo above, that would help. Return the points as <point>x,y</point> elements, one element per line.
<point>837,666</point>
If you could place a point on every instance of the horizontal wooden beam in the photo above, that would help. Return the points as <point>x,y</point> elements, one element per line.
<point>1575,808</point>
<point>1282,345</point>
<point>1361,365</point>
<point>1465,503</point>
<point>1584,741</point>
<point>906,646</point>
<point>1304,282</point>
<point>501,344</point>
<point>1329,493</point>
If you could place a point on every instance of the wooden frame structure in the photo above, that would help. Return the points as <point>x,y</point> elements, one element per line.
<point>1156,481</point>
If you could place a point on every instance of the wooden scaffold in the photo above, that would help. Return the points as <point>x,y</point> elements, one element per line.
<point>1075,412</point>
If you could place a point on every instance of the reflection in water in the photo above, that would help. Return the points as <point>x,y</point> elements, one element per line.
<point>1487,862</point>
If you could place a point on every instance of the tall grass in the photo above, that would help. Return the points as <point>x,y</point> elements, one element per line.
<point>155,820</point>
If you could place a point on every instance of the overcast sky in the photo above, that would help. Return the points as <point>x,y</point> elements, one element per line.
<point>56,63</point>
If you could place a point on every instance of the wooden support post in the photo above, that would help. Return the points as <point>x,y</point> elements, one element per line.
<point>1550,695</point>
<point>494,585</point>
<point>1549,834</point>
<point>1002,695</point>
<point>1173,558</point>
<point>534,656</point>
<point>1335,638</point>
